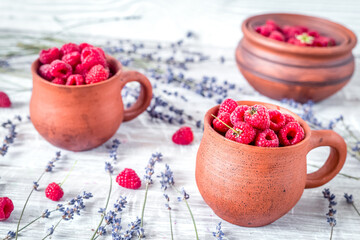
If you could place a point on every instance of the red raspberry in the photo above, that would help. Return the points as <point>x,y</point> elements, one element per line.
<point>61,81</point>
<point>271,24</point>
<point>92,56</point>
<point>291,31</point>
<point>54,192</point>
<point>183,136</point>
<point>97,74</point>
<point>296,42</point>
<point>245,133</point>
<point>258,117</point>
<point>263,30</point>
<point>228,105</point>
<point>218,125</point>
<point>68,48</point>
<point>277,120</point>
<point>128,179</point>
<point>60,69</point>
<point>313,33</point>
<point>75,79</point>
<point>4,100</point>
<point>324,42</point>
<point>44,72</point>
<point>276,35</point>
<point>49,55</point>
<point>81,69</point>
<point>72,59</point>
<point>291,134</point>
<point>238,114</point>
<point>6,207</point>
<point>84,45</point>
<point>288,118</point>
<point>267,138</point>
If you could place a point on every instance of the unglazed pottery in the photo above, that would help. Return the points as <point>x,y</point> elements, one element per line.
<point>83,117</point>
<point>281,70</point>
<point>254,186</point>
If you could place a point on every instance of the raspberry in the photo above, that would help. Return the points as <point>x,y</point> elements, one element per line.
<point>277,120</point>
<point>291,31</point>
<point>44,72</point>
<point>81,69</point>
<point>72,59</point>
<point>258,117</point>
<point>61,81</point>
<point>296,42</point>
<point>263,30</point>
<point>183,136</point>
<point>324,42</point>
<point>288,118</point>
<point>6,207</point>
<point>245,133</point>
<point>228,105</point>
<point>96,74</point>
<point>314,33</point>
<point>49,55</point>
<point>4,100</point>
<point>238,114</point>
<point>291,134</point>
<point>69,48</point>
<point>92,56</point>
<point>75,79</point>
<point>60,69</point>
<point>84,45</point>
<point>54,192</point>
<point>276,35</point>
<point>218,125</point>
<point>271,24</point>
<point>128,179</point>
<point>267,138</point>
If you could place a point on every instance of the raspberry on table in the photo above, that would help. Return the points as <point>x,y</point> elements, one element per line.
<point>4,100</point>
<point>60,81</point>
<point>228,105</point>
<point>46,56</point>
<point>183,136</point>
<point>44,72</point>
<point>238,114</point>
<point>128,179</point>
<point>218,125</point>
<point>96,74</point>
<point>258,117</point>
<point>72,59</point>
<point>68,48</point>
<point>277,119</point>
<point>267,138</point>
<point>60,69</point>
<point>245,133</point>
<point>75,79</point>
<point>6,207</point>
<point>292,133</point>
<point>54,192</point>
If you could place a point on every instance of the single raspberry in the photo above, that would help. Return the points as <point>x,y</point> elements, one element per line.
<point>276,35</point>
<point>245,133</point>
<point>218,125</point>
<point>238,114</point>
<point>81,69</point>
<point>54,192</point>
<point>271,24</point>
<point>72,59</point>
<point>296,42</point>
<point>183,136</point>
<point>6,207</point>
<point>263,30</point>
<point>267,138</point>
<point>258,117</point>
<point>314,33</point>
<point>75,79</point>
<point>68,48</point>
<point>49,55</point>
<point>97,74</point>
<point>92,56</point>
<point>4,100</point>
<point>291,134</point>
<point>288,118</point>
<point>324,42</point>
<point>228,105</point>
<point>60,69</point>
<point>61,81</point>
<point>84,45</point>
<point>277,120</point>
<point>128,179</point>
<point>44,72</point>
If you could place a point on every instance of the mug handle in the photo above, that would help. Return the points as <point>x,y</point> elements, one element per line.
<point>144,98</point>
<point>335,161</point>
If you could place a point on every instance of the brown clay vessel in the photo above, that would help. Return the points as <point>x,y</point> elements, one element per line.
<point>254,186</point>
<point>281,70</point>
<point>83,117</point>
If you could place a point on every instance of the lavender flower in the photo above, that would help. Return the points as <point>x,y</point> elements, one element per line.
<point>50,165</point>
<point>114,148</point>
<point>10,235</point>
<point>50,230</point>
<point>45,214</point>
<point>167,178</point>
<point>169,209</point>
<point>109,168</point>
<point>331,214</point>
<point>350,200</point>
<point>101,231</point>
<point>184,194</point>
<point>219,234</point>
<point>10,137</point>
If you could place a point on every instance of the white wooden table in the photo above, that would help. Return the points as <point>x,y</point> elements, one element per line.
<point>217,26</point>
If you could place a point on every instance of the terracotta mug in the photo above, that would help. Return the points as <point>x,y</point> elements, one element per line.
<point>254,186</point>
<point>83,117</point>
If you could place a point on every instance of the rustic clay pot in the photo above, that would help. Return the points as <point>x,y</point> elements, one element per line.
<point>281,70</point>
<point>254,186</point>
<point>83,117</point>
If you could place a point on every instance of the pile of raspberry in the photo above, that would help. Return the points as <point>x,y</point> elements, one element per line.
<point>296,35</point>
<point>74,64</point>
<point>257,125</point>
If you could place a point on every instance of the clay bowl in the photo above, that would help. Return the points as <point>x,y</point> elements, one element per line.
<point>254,186</point>
<point>281,70</point>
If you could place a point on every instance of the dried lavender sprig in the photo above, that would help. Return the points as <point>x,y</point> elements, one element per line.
<point>218,234</point>
<point>114,149</point>
<point>169,209</point>
<point>350,200</point>
<point>331,214</point>
<point>10,137</point>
